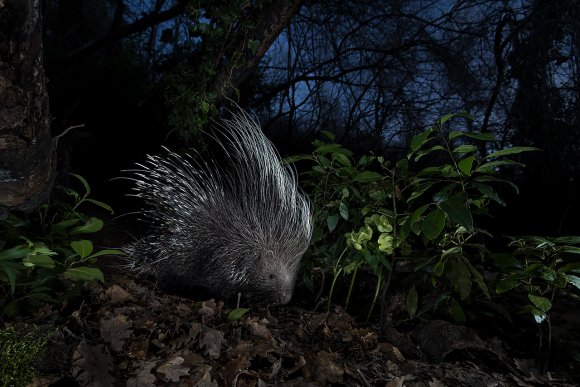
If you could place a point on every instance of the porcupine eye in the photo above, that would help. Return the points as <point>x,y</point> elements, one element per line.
<point>272,277</point>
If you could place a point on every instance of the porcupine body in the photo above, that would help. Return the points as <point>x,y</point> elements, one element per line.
<point>241,229</point>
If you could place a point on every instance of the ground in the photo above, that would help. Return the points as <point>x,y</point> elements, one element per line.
<point>128,333</point>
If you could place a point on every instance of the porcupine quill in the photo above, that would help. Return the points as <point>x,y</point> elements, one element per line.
<point>227,230</point>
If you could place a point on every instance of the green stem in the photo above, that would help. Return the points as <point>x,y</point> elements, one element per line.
<point>447,146</point>
<point>350,288</point>
<point>377,289</point>
<point>336,272</point>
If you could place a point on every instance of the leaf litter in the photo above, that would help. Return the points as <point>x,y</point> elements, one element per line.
<point>130,334</point>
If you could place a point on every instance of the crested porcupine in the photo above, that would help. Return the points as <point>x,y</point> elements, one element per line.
<point>241,229</point>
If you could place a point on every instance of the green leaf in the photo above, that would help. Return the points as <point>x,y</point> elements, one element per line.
<point>542,303</point>
<point>447,117</point>
<point>466,164</point>
<point>40,296</point>
<point>71,192</point>
<point>455,134</point>
<point>456,311</point>
<point>456,208</point>
<point>367,177</point>
<point>295,158</point>
<point>236,314</point>
<point>420,191</point>
<point>506,284</point>
<point>323,160</point>
<point>14,253</point>
<point>84,247</point>
<point>427,151</point>
<point>332,222</point>
<point>107,252</point>
<point>568,240</point>
<point>84,274</point>
<point>10,271</point>
<point>488,192</point>
<point>409,220</point>
<point>506,261</point>
<point>429,171</point>
<point>343,160</point>
<point>101,204</point>
<point>490,167</point>
<point>433,224</point>
<point>478,278</point>
<point>329,148</point>
<point>487,178</point>
<point>511,151</point>
<point>83,181</point>
<point>462,149</point>
<point>570,249</point>
<point>40,260</point>
<point>575,281</point>
<point>343,209</point>
<point>90,226</point>
<point>61,226</point>
<point>439,268</point>
<point>481,136</point>
<point>570,267</point>
<point>419,140</point>
<point>254,45</point>
<point>452,251</point>
<point>328,135</point>
<point>412,301</point>
<point>460,276</point>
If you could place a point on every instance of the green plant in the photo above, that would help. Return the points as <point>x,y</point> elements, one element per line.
<point>348,195</point>
<point>38,253</point>
<point>458,183</point>
<point>20,347</point>
<point>385,212</point>
<point>223,35</point>
<point>543,267</point>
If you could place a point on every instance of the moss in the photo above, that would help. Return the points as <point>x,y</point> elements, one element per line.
<point>20,347</point>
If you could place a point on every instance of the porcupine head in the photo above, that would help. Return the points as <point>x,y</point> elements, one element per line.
<point>238,228</point>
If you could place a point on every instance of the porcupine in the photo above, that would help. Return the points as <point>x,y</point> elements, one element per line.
<point>241,229</point>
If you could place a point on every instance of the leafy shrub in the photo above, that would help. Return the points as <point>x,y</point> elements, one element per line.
<point>38,253</point>
<point>541,266</point>
<point>425,218</point>
<point>352,226</point>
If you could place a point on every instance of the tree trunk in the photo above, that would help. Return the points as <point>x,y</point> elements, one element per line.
<point>27,157</point>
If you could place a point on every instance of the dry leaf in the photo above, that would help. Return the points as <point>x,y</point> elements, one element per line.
<point>144,377</point>
<point>91,366</point>
<point>115,330</point>
<point>211,340</point>
<point>327,367</point>
<point>258,328</point>
<point>118,295</point>
<point>172,370</point>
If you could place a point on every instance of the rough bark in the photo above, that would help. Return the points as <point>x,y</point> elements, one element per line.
<point>27,158</point>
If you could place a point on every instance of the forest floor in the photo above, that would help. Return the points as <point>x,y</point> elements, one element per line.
<point>127,333</point>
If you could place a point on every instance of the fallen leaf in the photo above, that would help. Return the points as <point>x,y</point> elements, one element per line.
<point>92,366</point>
<point>211,340</point>
<point>327,367</point>
<point>118,295</point>
<point>143,377</point>
<point>172,370</point>
<point>258,328</point>
<point>115,330</point>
